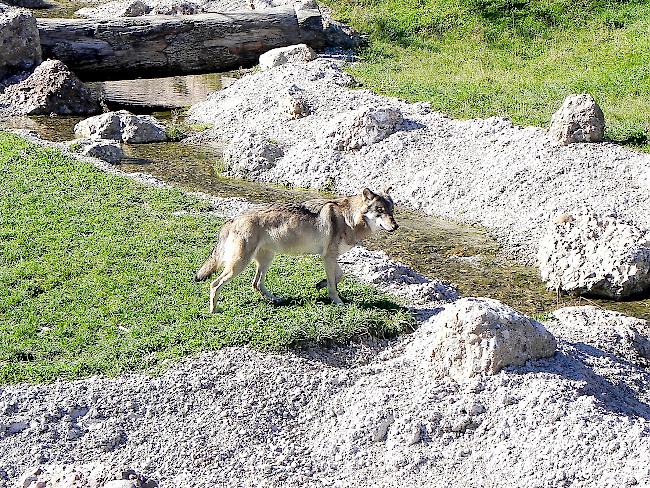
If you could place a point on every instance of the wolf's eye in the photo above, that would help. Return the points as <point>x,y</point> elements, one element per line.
<point>380,210</point>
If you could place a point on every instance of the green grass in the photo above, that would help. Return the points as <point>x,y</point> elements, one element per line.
<point>480,58</point>
<point>96,277</point>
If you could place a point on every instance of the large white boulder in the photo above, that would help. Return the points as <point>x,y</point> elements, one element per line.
<point>298,53</point>
<point>20,45</point>
<point>51,88</point>
<point>364,126</point>
<point>122,126</point>
<point>611,332</point>
<point>595,255</point>
<point>481,336</point>
<point>579,119</point>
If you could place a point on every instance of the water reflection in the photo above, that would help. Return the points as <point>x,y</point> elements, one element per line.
<point>146,95</point>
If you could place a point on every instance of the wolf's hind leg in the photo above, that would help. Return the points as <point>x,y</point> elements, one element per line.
<point>334,274</point>
<point>263,260</point>
<point>230,271</point>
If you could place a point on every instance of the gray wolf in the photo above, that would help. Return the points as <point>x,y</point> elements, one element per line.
<point>320,226</point>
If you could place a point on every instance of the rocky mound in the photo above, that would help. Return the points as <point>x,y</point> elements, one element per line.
<point>376,268</point>
<point>300,53</point>
<point>610,332</point>
<point>510,179</point>
<point>595,255</point>
<point>51,89</point>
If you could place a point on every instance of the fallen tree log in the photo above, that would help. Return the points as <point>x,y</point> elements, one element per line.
<point>121,48</point>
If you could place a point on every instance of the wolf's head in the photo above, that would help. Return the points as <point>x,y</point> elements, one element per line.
<point>379,210</point>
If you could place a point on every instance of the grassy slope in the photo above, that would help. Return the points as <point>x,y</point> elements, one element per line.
<point>479,58</point>
<point>96,276</point>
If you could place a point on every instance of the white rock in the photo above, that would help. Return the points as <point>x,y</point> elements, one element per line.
<point>21,45</point>
<point>298,53</point>
<point>104,149</point>
<point>596,255</point>
<point>293,104</point>
<point>51,89</point>
<point>579,119</point>
<point>122,126</point>
<point>481,336</point>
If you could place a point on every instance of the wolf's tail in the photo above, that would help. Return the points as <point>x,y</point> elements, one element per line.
<point>214,262</point>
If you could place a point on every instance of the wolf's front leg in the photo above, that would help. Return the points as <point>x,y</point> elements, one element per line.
<point>334,274</point>
<point>323,283</point>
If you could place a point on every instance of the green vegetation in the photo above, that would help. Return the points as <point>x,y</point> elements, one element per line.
<point>96,276</point>
<point>515,58</point>
<point>177,128</point>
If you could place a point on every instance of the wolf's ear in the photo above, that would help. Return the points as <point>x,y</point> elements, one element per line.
<point>387,190</point>
<point>368,195</point>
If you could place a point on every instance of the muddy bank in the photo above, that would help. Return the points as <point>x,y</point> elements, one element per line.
<point>510,179</point>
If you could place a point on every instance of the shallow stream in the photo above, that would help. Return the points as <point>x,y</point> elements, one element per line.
<point>464,255</point>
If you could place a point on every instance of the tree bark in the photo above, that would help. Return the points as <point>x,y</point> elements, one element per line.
<point>128,47</point>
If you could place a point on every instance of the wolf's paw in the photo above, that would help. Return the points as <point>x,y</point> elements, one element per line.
<point>277,300</point>
<point>338,301</point>
<point>321,284</point>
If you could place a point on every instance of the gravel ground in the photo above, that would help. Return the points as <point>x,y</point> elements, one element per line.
<point>347,417</point>
<point>510,179</point>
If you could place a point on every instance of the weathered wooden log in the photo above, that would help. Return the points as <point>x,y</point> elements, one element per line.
<point>120,48</point>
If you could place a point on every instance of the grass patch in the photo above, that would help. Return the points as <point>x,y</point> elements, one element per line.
<point>514,58</point>
<point>96,277</point>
